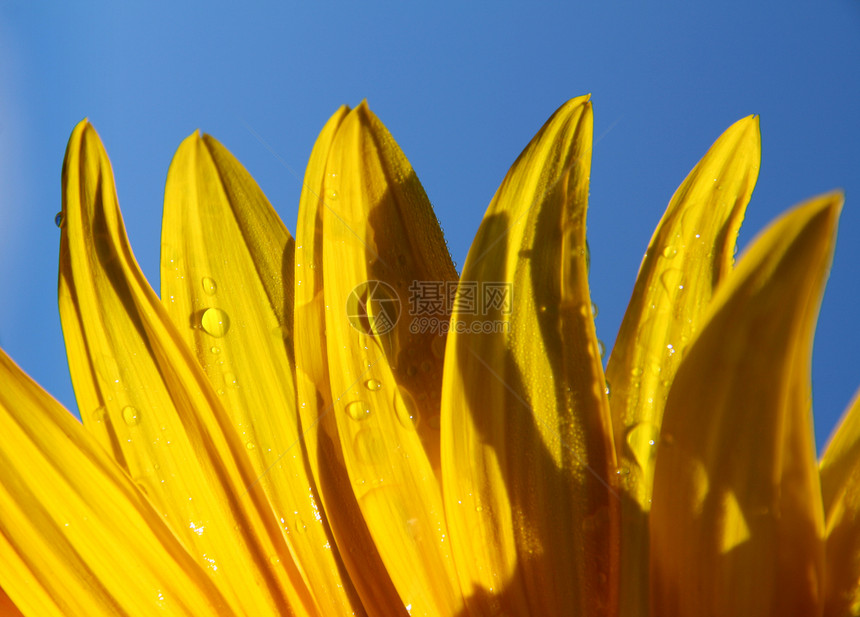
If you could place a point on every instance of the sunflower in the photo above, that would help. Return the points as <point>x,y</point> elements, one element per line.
<point>340,425</point>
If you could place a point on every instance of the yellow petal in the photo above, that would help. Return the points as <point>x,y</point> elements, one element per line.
<point>379,233</point>
<point>227,282</point>
<point>144,396</point>
<point>736,520</point>
<point>690,253</point>
<point>77,537</point>
<point>364,564</point>
<point>527,450</point>
<point>840,489</point>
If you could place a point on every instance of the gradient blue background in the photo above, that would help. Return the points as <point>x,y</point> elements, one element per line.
<point>463,89</point>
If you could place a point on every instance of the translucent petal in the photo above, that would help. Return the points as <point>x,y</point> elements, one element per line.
<point>77,536</point>
<point>527,455</point>
<point>736,519</point>
<point>144,396</point>
<point>690,253</point>
<point>228,254</point>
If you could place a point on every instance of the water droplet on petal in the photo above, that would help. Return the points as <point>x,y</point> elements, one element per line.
<point>209,286</point>
<point>299,525</point>
<point>99,414</point>
<point>230,380</point>
<point>601,348</point>
<point>594,310</point>
<point>358,410</point>
<point>58,219</point>
<point>642,439</point>
<point>669,252</point>
<point>215,322</point>
<point>130,415</point>
<point>672,281</point>
<point>214,349</point>
<point>373,384</point>
<point>250,445</point>
<point>333,195</point>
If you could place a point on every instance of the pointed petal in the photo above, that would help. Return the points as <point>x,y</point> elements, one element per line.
<point>689,255</point>
<point>840,489</point>
<point>526,438</point>
<point>142,393</point>
<point>77,537</point>
<point>736,519</point>
<point>227,251</point>
<point>379,232</point>
<point>325,457</point>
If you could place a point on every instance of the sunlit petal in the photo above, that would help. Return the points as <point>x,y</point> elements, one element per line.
<point>736,521</point>
<point>149,403</point>
<point>379,234</point>
<point>690,253</point>
<point>527,450</point>
<point>365,566</point>
<point>77,537</point>
<point>227,282</point>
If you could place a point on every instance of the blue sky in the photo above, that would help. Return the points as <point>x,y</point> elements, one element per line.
<point>462,89</point>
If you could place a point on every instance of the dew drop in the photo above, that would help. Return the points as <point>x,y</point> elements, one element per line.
<point>250,445</point>
<point>373,384</point>
<point>230,380</point>
<point>99,414</point>
<point>333,195</point>
<point>642,439</point>
<point>672,281</point>
<point>274,560</point>
<point>411,370</point>
<point>299,525</point>
<point>636,371</point>
<point>358,410</point>
<point>141,485</point>
<point>426,366</point>
<point>405,408</point>
<point>594,310</point>
<point>608,390</point>
<point>669,252</point>
<point>215,321</point>
<point>209,286</point>
<point>58,219</point>
<point>130,415</point>
<point>215,349</point>
<point>601,348</point>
